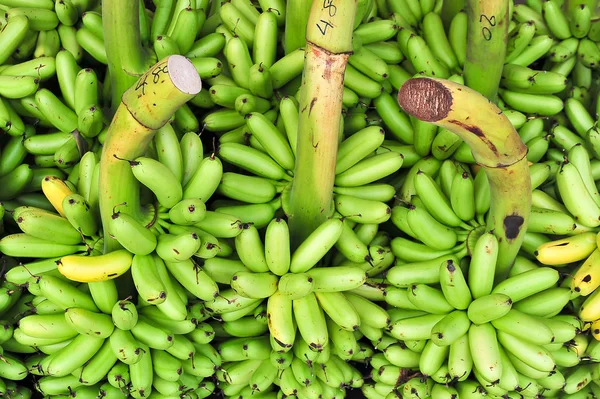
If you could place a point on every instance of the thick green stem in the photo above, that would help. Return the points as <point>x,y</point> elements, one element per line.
<point>127,59</point>
<point>329,43</point>
<point>495,145</point>
<point>146,107</point>
<point>296,18</point>
<point>486,45</point>
<point>449,9</point>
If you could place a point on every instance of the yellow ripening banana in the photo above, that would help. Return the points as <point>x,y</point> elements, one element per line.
<point>86,269</point>
<point>55,190</point>
<point>567,250</point>
<point>496,147</point>
<point>590,309</point>
<point>587,276</point>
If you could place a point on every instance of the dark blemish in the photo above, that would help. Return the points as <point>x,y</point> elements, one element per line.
<point>450,266</point>
<point>512,226</point>
<point>312,104</point>
<point>477,132</point>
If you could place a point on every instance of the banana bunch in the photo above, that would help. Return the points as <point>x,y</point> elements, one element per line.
<point>253,109</point>
<point>452,322</point>
<point>439,204</point>
<point>251,368</point>
<point>75,338</point>
<point>564,42</point>
<point>13,368</point>
<point>62,239</point>
<point>298,291</point>
<point>68,228</point>
<point>206,292</point>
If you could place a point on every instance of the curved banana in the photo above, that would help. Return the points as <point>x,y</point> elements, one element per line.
<point>496,147</point>
<point>88,269</point>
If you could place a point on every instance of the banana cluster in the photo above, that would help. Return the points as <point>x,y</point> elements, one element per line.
<point>80,337</point>
<point>454,326</point>
<point>206,292</point>
<point>251,368</point>
<point>578,251</point>
<point>13,369</point>
<point>566,41</point>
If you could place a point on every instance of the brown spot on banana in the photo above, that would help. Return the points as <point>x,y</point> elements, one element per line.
<point>512,226</point>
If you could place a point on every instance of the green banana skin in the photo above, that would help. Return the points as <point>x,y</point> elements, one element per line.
<point>15,182</point>
<point>228,301</point>
<point>147,333</point>
<point>124,315</point>
<point>127,349</point>
<point>43,68</point>
<point>74,355</point>
<point>16,30</point>
<point>193,279</point>
<point>79,214</point>
<point>55,111</point>
<point>65,295</point>
<point>132,235</point>
<point>249,189</point>
<point>23,245</point>
<point>20,274</point>
<point>203,183</point>
<point>141,375</point>
<point>58,385</point>
<point>97,368</point>
<point>13,153</point>
<point>207,46</point>
<point>46,326</point>
<point>428,299</point>
<point>532,103</point>
<point>518,288</point>
<point>48,226</point>
<point>89,323</point>
<point>525,327</point>
<point>46,144</point>
<point>547,302</point>
<point>158,178</point>
<point>295,285</point>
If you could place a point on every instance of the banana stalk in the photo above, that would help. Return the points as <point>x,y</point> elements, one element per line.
<point>487,36</point>
<point>495,145</point>
<point>127,59</point>
<point>328,46</point>
<point>146,107</point>
<point>296,17</point>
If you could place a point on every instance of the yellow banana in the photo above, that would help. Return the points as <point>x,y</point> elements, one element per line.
<point>567,250</point>
<point>587,276</point>
<point>88,269</point>
<point>55,190</point>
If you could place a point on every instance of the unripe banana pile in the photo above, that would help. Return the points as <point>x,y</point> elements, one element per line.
<point>154,256</point>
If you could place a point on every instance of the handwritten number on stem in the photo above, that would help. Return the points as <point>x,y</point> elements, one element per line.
<point>332,11</point>
<point>156,72</point>
<point>486,32</point>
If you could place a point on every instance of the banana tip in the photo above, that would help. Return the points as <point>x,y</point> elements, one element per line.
<point>426,99</point>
